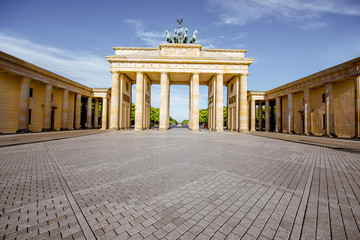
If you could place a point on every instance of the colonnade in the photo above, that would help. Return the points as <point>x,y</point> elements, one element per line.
<point>311,110</point>
<point>25,110</point>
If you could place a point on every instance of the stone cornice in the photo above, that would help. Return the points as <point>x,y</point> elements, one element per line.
<point>242,61</point>
<point>135,48</point>
<point>179,45</point>
<point>20,67</point>
<point>224,50</point>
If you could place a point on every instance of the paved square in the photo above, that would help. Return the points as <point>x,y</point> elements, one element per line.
<point>178,184</point>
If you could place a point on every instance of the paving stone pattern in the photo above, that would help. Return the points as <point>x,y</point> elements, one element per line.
<point>178,185</point>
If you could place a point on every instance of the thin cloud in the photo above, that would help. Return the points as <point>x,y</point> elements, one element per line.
<point>240,36</point>
<point>82,67</point>
<point>152,39</point>
<point>307,14</point>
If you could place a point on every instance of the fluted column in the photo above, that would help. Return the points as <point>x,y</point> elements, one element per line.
<point>77,111</point>
<point>253,116</point>
<point>114,114</point>
<point>168,104</point>
<point>64,110</point>
<point>329,109</point>
<point>260,116</point>
<point>96,114</point>
<point>244,123</point>
<point>195,102</point>
<point>24,105</point>
<point>121,107</point>
<point>267,116</point>
<point>307,111</point>
<point>190,104</point>
<point>47,108</point>
<point>88,113</point>
<point>139,101</point>
<point>357,107</point>
<point>291,112</point>
<point>104,106</point>
<point>278,114</point>
<point>163,101</point>
<point>219,103</point>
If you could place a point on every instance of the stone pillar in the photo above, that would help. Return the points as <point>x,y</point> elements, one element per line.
<point>278,115</point>
<point>168,104</point>
<point>267,116</point>
<point>237,110</point>
<point>357,107</point>
<point>96,114</point>
<point>24,105</point>
<point>307,111</point>
<point>64,110</point>
<point>139,101</point>
<point>253,116</point>
<point>329,109</point>
<point>190,103</point>
<point>120,109</point>
<point>47,108</point>
<point>219,103</point>
<point>114,114</point>
<point>104,113</point>
<point>77,111</point>
<point>195,102</point>
<point>291,112</point>
<point>163,101</point>
<point>244,127</point>
<point>260,116</point>
<point>88,113</point>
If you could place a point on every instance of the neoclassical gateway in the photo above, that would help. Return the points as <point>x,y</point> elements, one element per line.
<point>324,103</point>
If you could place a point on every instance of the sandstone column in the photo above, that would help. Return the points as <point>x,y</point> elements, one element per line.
<point>357,106</point>
<point>64,110</point>
<point>96,114</point>
<point>195,102</point>
<point>168,104</point>
<point>253,116</point>
<point>278,114</point>
<point>190,104</point>
<point>291,112</point>
<point>47,108</point>
<point>163,100</point>
<point>237,110</point>
<point>219,103</point>
<point>307,111</point>
<point>114,110</point>
<point>104,113</point>
<point>329,109</point>
<point>77,111</point>
<point>88,112</point>
<point>24,105</point>
<point>120,108</point>
<point>260,116</point>
<point>267,116</point>
<point>244,127</point>
<point>139,101</point>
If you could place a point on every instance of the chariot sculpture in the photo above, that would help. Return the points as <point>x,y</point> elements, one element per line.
<point>180,35</point>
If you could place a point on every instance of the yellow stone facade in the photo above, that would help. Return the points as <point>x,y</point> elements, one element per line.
<point>324,103</point>
<point>34,99</point>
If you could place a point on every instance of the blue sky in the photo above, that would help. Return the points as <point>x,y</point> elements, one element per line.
<point>289,39</point>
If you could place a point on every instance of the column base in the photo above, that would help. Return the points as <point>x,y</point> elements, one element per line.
<point>64,129</point>
<point>23,130</point>
<point>309,133</point>
<point>114,129</point>
<point>47,130</point>
<point>103,128</point>
<point>195,130</point>
<point>163,129</point>
<point>330,135</point>
<point>244,130</point>
<point>291,132</point>
<point>138,130</point>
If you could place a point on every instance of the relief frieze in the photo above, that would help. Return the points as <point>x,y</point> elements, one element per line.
<point>232,99</point>
<point>126,98</point>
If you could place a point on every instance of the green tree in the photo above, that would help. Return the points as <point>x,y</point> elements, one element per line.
<point>155,115</point>
<point>203,116</point>
<point>132,113</point>
<point>225,114</point>
<point>185,122</point>
<point>172,121</point>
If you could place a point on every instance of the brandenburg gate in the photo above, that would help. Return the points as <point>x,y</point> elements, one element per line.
<point>181,63</point>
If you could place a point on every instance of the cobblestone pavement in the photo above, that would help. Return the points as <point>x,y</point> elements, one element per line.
<point>178,184</point>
